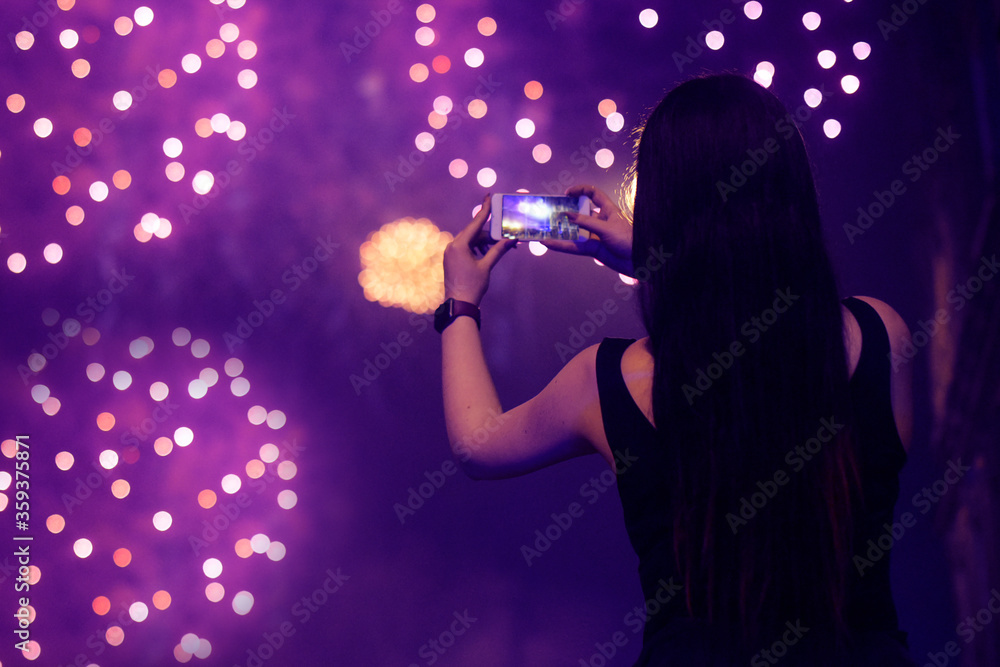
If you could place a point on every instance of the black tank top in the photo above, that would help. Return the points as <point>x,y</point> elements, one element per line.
<point>646,500</point>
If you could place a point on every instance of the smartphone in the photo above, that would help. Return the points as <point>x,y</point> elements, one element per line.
<point>533,217</point>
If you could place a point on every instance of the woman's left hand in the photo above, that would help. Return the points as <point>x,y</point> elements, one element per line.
<point>466,275</point>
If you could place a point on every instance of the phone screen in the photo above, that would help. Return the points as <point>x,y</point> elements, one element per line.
<point>527,217</point>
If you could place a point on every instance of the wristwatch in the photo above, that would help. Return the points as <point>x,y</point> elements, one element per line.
<point>450,309</point>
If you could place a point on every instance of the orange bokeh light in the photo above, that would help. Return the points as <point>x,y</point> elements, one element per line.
<point>207,498</point>
<point>122,179</point>
<point>105,421</point>
<point>161,600</point>
<point>82,137</point>
<point>419,72</point>
<point>167,78</point>
<point>122,557</point>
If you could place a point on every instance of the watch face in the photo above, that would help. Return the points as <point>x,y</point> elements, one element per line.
<point>442,316</point>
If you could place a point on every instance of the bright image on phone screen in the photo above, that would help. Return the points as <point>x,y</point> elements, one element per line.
<point>534,218</point>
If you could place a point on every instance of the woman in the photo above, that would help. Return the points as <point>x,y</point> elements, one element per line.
<point>767,429</point>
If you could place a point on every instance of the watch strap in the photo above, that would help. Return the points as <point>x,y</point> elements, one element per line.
<point>451,309</point>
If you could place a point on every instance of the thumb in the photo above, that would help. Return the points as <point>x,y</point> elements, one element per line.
<point>497,251</point>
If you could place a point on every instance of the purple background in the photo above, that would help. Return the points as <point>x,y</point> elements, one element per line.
<point>345,122</point>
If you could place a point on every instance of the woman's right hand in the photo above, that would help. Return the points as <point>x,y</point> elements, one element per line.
<point>610,239</point>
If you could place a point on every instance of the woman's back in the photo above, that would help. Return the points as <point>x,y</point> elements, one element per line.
<point>624,376</point>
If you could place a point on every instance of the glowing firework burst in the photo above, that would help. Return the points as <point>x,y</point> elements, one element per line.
<point>402,265</point>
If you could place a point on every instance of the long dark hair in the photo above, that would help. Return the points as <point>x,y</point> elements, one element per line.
<point>723,183</point>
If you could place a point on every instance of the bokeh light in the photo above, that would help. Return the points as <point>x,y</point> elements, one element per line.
<point>486,177</point>
<point>247,79</point>
<point>753,10</point>
<point>80,68</point>
<point>419,72</point>
<point>811,20</point>
<point>123,25</point>
<point>43,127</point>
<point>486,26</point>
<point>541,153</point>
<point>474,57</point>
<point>648,18</point>
<point>143,16</point>
<point>536,248</point>
<point>24,40</point>
<point>191,63</point>
<point>83,547</point>
<point>69,38</point>
<point>162,520</point>
<point>441,64</point>
<point>424,36</point>
<point>401,265</point>
<point>15,103</point>
<point>477,108</point>
<point>243,603</point>
<point>426,13</point>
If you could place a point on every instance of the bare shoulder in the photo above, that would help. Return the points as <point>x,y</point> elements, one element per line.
<point>901,377</point>
<point>894,324</point>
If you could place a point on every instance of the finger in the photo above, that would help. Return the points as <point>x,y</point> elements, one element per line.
<point>588,247</point>
<point>592,224</point>
<point>494,254</point>
<point>601,200</point>
<point>471,231</point>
